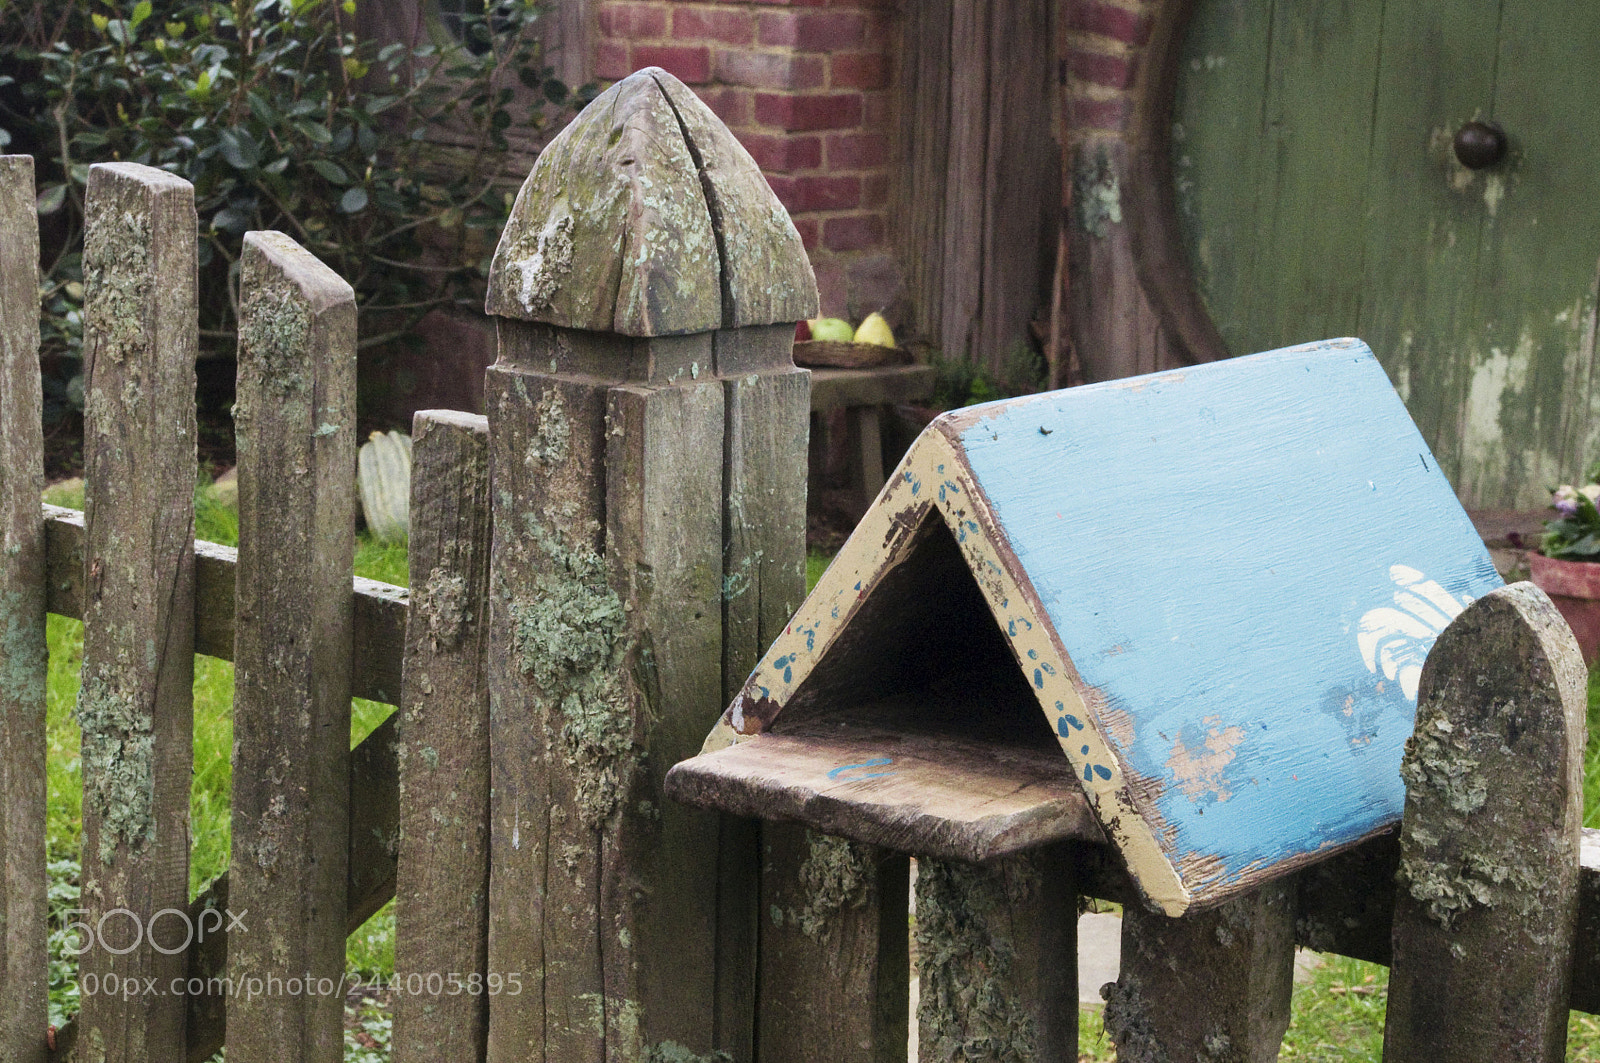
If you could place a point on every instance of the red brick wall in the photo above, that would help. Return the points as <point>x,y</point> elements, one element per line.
<point>804,86</point>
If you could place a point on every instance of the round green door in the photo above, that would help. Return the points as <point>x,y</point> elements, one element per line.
<point>1320,194</point>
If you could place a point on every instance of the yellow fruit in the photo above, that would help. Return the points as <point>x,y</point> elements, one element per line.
<point>831,329</point>
<point>875,330</point>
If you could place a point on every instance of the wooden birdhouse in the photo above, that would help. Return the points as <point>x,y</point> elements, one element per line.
<point>1187,611</point>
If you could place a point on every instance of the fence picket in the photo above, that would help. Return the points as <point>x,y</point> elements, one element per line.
<point>532,797</point>
<point>835,953</point>
<point>997,949</point>
<point>442,890</point>
<point>1207,985</point>
<point>295,420</point>
<point>766,403</point>
<point>23,907</point>
<point>135,707</point>
<point>643,230</point>
<point>1487,898</point>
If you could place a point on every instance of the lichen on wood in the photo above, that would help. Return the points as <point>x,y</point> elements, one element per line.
<point>116,257</point>
<point>273,325</point>
<point>1450,862</point>
<point>835,876</point>
<point>23,657</point>
<point>1212,986</point>
<point>118,754</point>
<point>645,217</point>
<point>1127,1022</point>
<point>610,231</point>
<point>1482,867</point>
<point>571,639</point>
<point>441,604</point>
<point>673,1052</point>
<point>1486,910</point>
<point>766,276</point>
<point>965,964</point>
<point>552,433</point>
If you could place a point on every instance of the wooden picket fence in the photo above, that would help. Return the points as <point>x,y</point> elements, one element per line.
<point>596,566</point>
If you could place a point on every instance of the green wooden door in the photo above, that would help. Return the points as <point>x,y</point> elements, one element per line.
<point>1320,196</point>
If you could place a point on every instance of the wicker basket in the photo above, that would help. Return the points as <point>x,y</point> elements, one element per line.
<point>829,354</point>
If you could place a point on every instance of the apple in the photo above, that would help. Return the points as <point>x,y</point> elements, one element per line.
<point>831,329</point>
<point>802,331</point>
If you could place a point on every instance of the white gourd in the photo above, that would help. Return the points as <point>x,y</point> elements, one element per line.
<point>383,474</point>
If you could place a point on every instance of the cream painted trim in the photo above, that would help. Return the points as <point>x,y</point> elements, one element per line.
<point>933,472</point>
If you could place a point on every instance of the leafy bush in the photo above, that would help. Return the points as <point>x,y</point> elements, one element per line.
<point>385,162</point>
<point>959,382</point>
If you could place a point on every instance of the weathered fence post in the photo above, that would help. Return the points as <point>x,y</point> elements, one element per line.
<point>645,262</point>
<point>442,882</point>
<point>997,949</point>
<point>834,963</point>
<point>1487,902</point>
<point>135,707</point>
<point>1207,985</point>
<point>23,907</point>
<point>295,419</point>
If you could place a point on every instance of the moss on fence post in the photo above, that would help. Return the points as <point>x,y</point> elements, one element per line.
<point>1212,986</point>
<point>23,908</point>
<point>643,243</point>
<point>1486,899</point>
<point>997,959</point>
<point>135,707</point>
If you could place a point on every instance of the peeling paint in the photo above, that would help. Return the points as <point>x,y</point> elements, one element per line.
<point>1198,770</point>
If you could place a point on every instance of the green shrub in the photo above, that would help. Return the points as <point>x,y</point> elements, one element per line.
<point>958,382</point>
<point>385,162</point>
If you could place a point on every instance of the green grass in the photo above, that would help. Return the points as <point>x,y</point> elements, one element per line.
<point>371,949</point>
<point>1337,1017</point>
<point>816,564</point>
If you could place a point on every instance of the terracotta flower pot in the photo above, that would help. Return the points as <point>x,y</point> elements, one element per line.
<point>1574,586</point>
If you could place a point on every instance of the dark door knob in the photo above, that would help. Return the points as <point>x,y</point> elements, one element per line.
<point>1480,144</point>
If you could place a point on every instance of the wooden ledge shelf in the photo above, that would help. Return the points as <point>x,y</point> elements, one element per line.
<point>937,795</point>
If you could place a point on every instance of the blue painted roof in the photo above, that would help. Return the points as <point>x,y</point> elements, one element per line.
<point>1247,561</point>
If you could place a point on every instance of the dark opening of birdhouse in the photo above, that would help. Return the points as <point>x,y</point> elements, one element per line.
<point>924,657</point>
<point>916,730</point>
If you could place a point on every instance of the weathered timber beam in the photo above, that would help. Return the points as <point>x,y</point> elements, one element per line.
<point>380,608</point>
<point>374,827</point>
<point>832,389</point>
